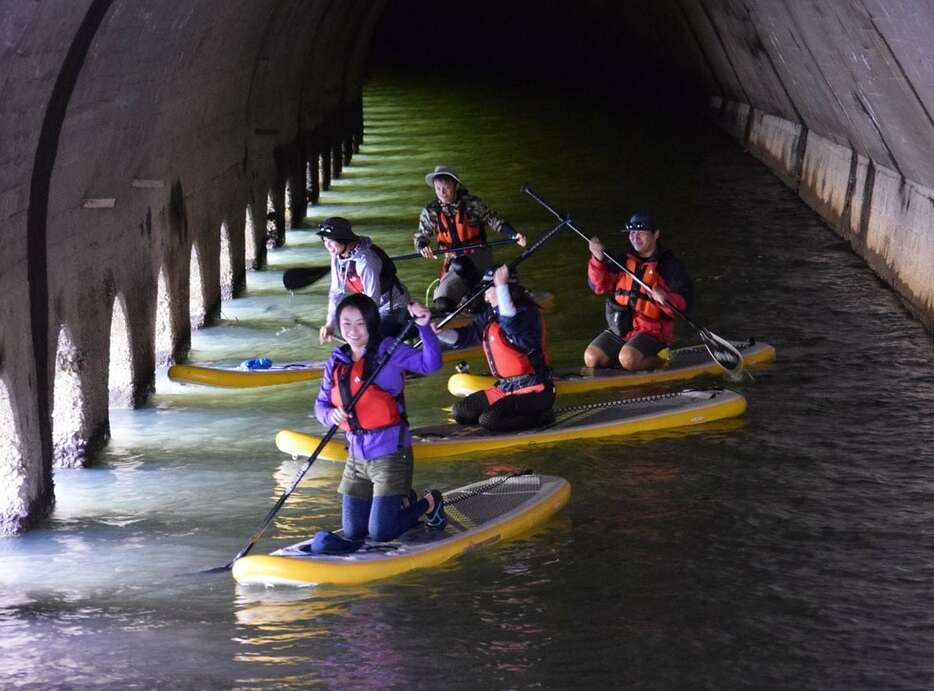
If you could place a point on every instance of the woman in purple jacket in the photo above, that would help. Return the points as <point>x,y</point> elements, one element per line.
<point>377,480</point>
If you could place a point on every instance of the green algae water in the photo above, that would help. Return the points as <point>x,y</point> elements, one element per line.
<point>790,548</point>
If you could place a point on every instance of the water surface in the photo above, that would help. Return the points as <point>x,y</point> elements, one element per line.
<point>791,548</point>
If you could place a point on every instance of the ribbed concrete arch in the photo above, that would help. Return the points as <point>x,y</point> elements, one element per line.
<point>143,127</point>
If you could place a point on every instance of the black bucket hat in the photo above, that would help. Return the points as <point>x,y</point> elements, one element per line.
<point>337,228</point>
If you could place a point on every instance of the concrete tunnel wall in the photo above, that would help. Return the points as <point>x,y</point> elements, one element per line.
<point>131,131</point>
<point>837,98</point>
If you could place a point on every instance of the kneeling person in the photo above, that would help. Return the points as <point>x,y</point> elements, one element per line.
<point>512,330</point>
<point>640,322</point>
<point>377,479</point>
<point>458,219</point>
<point>359,266</point>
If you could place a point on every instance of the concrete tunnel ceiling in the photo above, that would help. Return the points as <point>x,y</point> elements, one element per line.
<point>132,132</point>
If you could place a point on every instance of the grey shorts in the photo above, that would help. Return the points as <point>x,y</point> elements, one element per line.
<point>611,344</point>
<point>385,476</point>
<point>453,286</point>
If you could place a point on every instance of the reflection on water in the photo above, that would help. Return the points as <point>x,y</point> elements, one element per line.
<point>789,548</point>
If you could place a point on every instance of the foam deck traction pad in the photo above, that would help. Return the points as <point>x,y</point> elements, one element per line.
<point>479,515</point>
<point>626,416</point>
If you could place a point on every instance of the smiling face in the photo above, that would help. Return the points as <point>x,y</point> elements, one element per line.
<point>353,328</point>
<point>445,188</point>
<point>644,241</point>
<point>334,247</point>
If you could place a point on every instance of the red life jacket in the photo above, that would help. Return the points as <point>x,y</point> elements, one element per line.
<point>628,293</point>
<point>505,359</point>
<point>375,409</point>
<point>460,232</point>
<point>353,282</point>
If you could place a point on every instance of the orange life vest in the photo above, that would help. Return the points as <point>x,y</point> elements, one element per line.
<point>628,293</point>
<point>375,409</point>
<point>353,282</point>
<point>505,359</point>
<point>460,232</point>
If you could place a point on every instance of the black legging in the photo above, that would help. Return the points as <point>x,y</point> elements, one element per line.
<point>508,414</point>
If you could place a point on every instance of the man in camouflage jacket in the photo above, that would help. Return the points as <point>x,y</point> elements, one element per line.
<point>457,219</point>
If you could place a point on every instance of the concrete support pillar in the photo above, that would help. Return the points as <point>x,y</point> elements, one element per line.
<point>312,162</point>
<point>175,254</point>
<point>348,130</point>
<point>298,204</point>
<point>357,124</point>
<point>25,471</point>
<point>336,145</point>
<point>275,217</point>
<point>256,228</point>
<point>325,164</point>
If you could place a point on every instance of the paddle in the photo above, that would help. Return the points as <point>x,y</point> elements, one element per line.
<point>526,253</point>
<point>293,279</point>
<point>314,454</point>
<point>722,351</point>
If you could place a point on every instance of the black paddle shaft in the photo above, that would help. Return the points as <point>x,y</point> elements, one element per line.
<point>454,250</point>
<point>710,339</point>
<point>314,454</point>
<point>302,277</point>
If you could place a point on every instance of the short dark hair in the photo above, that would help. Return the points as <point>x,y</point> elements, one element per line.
<point>368,310</point>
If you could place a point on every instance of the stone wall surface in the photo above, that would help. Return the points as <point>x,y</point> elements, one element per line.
<point>130,132</point>
<point>838,98</point>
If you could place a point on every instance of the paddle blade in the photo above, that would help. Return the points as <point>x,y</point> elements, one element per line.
<point>293,279</point>
<point>203,572</point>
<point>722,351</point>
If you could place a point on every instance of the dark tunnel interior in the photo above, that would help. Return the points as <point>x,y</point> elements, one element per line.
<point>568,47</point>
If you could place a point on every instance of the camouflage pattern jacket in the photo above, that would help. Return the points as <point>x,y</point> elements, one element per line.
<point>475,210</point>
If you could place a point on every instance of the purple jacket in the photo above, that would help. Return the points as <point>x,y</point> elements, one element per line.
<point>391,379</point>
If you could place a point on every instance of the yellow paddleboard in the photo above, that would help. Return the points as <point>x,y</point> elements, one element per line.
<point>479,515</point>
<point>683,363</point>
<point>233,377</point>
<point>627,416</point>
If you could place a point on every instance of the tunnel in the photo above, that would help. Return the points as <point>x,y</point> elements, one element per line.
<point>158,157</point>
<point>139,140</point>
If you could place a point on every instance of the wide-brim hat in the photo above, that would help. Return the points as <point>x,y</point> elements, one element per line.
<point>337,228</point>
<point>441,170</point>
